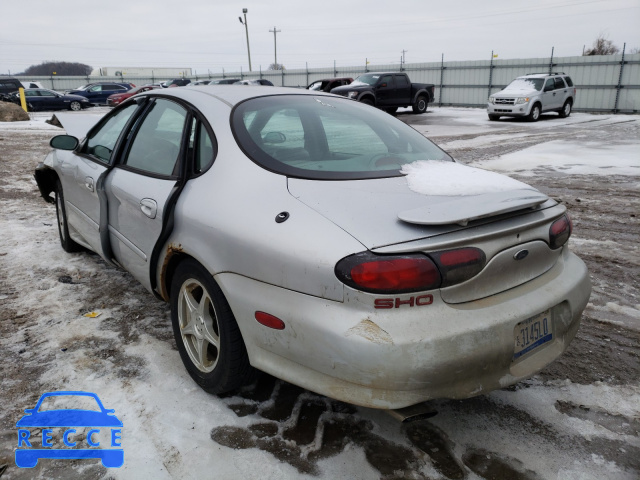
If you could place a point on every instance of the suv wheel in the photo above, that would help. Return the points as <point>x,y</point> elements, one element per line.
<point>534,114</point>
<point>566,110</point>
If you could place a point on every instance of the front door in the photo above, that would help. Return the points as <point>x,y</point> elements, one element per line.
<point>82,172</point>
<point>385,91</point>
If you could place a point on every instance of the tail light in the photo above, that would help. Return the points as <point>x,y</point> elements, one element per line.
<point>560,231</point>
<point>459,265</point>
<point>373,273</point>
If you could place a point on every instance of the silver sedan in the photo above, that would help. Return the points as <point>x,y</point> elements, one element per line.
<point>322,241</point>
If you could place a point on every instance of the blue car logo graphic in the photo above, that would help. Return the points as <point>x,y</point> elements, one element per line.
<point>67,419</point>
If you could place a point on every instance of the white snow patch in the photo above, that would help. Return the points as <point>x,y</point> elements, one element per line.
<point>589,158</point>
<point>434,177</point>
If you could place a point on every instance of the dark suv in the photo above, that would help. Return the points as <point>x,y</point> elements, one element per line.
<point>9,85</point>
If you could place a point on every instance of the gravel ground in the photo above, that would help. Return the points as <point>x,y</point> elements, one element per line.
<point>577,419</point>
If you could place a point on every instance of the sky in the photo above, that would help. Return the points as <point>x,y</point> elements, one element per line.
<point>206,35</point>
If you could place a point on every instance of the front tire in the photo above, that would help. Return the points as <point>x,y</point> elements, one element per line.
<point>68,245</point>
<point>75,106</point>
<point>420,105</point>
<point>534,114</point>
<point>566,109</point>
<point>367,101</point>
<point>206,333</point>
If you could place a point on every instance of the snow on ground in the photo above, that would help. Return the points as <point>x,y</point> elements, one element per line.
<point>571,157</point>
<point>576,420</point>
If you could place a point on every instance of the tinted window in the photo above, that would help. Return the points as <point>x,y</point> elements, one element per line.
<point>388,79</point>
<point>401,81</point>
<point>559,83</point>
<point>156,145</point>
<point>568,80</point>
<point>47,93</point>
<point>204,148</point>
<point>327,138</point>
<point>100,144</point>
<point>31,93</point>
<point>96,88</point>
<point>549,84</point>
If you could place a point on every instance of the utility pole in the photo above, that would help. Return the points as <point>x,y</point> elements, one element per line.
<point>403,52</point>
<point>275,47</point>
<point>246,28</point>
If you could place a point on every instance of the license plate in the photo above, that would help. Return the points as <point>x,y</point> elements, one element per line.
<point>532,333</point>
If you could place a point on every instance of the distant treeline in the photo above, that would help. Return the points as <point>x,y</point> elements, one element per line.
<point>58,68</point>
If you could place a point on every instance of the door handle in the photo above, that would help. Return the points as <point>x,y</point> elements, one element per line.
<point>149,207</point>
<point>88,182</point>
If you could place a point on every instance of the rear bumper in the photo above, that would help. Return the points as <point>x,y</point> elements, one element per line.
<point>399,357</point>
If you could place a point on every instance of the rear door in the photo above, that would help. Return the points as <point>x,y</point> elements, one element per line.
<point>139,186</point>
<point>562,91</point>
<point>403,90</point>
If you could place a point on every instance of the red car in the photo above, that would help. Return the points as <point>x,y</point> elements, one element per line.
<point>118,98</point>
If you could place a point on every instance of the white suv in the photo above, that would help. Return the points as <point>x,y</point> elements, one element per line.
<point>533,94</point>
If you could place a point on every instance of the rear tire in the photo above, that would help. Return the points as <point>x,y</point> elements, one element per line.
<point>534,114</point>
<point>493,118</point>
<point>566,109</point>
<point>206,332</point>
<point>421,105</point>
<point>68,245</point>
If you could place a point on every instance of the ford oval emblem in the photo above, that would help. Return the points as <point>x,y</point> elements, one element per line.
<point>521,254</point>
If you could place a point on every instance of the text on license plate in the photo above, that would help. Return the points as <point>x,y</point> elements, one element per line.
<point>532,333</point>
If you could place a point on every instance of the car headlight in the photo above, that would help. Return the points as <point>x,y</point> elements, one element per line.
<point>352,95</point>
<point>492,100</point>
<point>522,100</point>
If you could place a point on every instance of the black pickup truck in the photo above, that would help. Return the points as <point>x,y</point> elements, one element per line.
<point>388,91</point>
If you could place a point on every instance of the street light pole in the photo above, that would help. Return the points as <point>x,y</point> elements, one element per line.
<point>246,27</point>
<point>275,48</point>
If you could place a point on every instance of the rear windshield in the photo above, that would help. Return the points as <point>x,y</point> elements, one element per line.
<point>320,137</point>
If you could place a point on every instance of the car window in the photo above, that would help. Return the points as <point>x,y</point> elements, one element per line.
<point>96,88</point>
<point>401,81</point>
<point>559,83</point>
<point>156,145</point>
<point>388,79</point>
<point>549,84</point>
<point>47,93</point>
<point>31,93</point>
<point>327,138</point>
<point>204,148</point>
<point>569,82</point>
<point>101,142</point>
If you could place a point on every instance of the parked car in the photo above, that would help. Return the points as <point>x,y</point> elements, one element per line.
<point>118,98</point>
<point>308,236</point>
<point>45,99</point>
<point>97,93</point>
<point>533,94</point>
<point>176,82</point>
<point>256,81</point>
<point>31,84</point>
<point>201,82</point>
<point>9,85</point>
<point>388,90</point>
<point>328,84</point>
<point>224,81</point>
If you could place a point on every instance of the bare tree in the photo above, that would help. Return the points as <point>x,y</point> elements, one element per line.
<point>276,66</point>
<point>602,46</point>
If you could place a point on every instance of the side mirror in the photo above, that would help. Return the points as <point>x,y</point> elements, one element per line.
<point>383,85</point>
<point>64,142</point>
